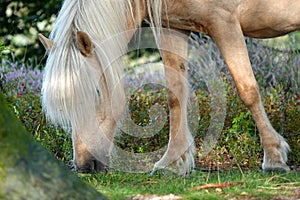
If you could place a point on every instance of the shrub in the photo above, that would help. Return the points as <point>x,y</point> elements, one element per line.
<point>21,82</point>
<point>140,108</point>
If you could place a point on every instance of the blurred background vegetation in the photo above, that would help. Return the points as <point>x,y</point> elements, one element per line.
<point>275,63</point>
<point>21,21</point>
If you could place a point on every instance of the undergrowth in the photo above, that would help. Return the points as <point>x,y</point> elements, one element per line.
<point>239,141</point>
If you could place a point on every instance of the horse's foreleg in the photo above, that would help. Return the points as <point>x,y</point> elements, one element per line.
<point>181,146</point>
<point>230,40</point>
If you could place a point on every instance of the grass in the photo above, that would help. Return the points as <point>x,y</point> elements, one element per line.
<point>273,69</point>
<point>249,185</point>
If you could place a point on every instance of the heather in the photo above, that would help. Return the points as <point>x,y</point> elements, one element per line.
<point>277,72</point>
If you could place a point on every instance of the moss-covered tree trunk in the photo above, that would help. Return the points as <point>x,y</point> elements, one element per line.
<point>28,171</point>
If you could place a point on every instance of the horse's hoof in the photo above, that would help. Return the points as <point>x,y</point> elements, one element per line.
<point>275,170</point>
<point>281,169</point>
<point>275,166</point>
<point>155,170</point>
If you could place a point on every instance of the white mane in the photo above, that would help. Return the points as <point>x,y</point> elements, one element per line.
<point>72,89</point>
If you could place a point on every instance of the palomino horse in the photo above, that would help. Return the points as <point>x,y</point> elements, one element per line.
<point>82,88</point>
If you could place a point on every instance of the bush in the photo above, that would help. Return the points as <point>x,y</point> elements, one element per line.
<point>242,140</point>
<point>239,142</point>
<point>21,83</point>
<point>21,21</point>
<point>140,105</point>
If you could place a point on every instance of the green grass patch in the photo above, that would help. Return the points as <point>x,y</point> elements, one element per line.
<point>245,185</point>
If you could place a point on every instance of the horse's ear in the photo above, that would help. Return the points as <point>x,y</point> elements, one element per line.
<point>46,42</point>
<point>85,44</point>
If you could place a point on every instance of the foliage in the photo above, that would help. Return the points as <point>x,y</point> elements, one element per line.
<point>242,140</point>
<point>283,108</point>
<point>28,109</point>
<point>21,84</point>
<point>21,21</point>
<point>4,50</point>
<point>272,66</point>
<point>18,78</point>
<point>276,66</point>
<point>139,105</point>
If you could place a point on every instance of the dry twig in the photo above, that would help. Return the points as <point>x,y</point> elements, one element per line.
<point>215,185</point>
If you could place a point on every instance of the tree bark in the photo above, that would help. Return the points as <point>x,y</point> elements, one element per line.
<point>28,171</point>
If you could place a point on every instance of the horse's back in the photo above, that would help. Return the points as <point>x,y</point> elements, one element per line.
<point>260,18</point>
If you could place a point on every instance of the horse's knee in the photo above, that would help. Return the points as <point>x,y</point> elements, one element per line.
<point>249,94</point>
<point>177,94</point>
<point>173,100</point>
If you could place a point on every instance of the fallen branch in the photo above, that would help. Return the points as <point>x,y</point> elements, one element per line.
<point>215,185</point>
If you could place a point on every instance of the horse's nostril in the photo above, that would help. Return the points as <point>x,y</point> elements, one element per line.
<point>87,168</point>
<point>100,167</point>
<point>90,166</point>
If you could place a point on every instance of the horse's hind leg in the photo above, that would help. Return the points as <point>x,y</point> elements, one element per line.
<point>181,146</point>
<point>230,40</point>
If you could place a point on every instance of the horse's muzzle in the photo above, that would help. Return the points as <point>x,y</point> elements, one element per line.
<point>90,166</point>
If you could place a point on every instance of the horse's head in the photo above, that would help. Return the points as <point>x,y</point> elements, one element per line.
<point>81,99</point>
